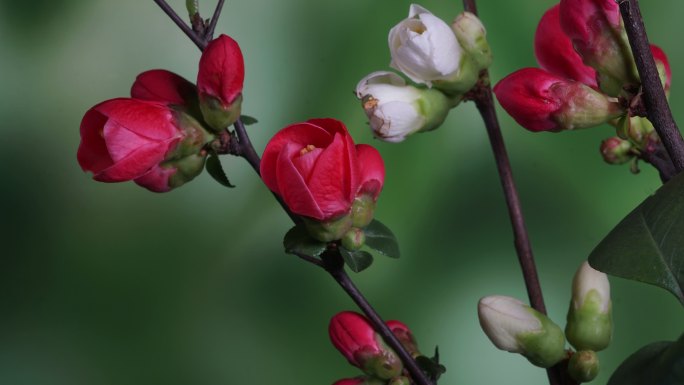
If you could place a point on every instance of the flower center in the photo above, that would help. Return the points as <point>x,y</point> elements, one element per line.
<point>307,149</point>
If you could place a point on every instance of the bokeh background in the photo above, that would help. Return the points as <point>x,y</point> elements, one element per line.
<point>111,284</point>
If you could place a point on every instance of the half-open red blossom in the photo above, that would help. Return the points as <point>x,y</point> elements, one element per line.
<point>163,86</point>
<point>125,139</point>
<point>314,167</point>
<point>555,53</point>
<point>661,61</point>
<point>221,70</point>
<point>584,20</point>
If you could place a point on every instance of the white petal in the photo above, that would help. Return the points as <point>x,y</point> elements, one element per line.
<point>503,319</point>
<point>416,9</point>
<point>587,279</point>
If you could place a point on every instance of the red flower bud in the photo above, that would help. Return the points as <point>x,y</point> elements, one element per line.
<point>404,335</point>
<point>354,337</point>
<point>540,101</point>
<point>220,80</point>
<point>130,139</point>
<point>663,66</point>
<point>318,171</point>
<point>163,86</point>
<point>555,53</point>
<point>594,27</point>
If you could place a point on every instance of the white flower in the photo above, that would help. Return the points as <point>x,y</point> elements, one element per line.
<point>424,47</point>
<point>396,110</point>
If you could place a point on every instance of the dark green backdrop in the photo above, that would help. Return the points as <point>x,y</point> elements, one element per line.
<point>111,284</point>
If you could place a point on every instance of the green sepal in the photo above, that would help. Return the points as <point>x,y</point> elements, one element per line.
<point>588,328</point>
<point>248,120</point>
<point>544,347</point>
<point>298,241</point>
<point>216,170</point>
<point>647,245</point>
<point>431,366</point>
<point>381,239</point>
<point>357,261</point>
<point>659,363</point>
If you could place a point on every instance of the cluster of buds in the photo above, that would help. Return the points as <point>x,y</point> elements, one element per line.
<point>587,78</point>
<point>515,327</point>
<point>353,336</point>
<point>447,59</point>
<point>158,136</point>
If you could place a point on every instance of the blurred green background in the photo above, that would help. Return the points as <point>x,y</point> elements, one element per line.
<point>110,284</point>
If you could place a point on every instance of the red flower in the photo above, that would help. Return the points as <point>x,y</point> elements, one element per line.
<point>318,171</point>
<point>540,101</point>
<point>221,70</point>
<point>130,139</point>
<point>163,86</point>
<point>555,53</point>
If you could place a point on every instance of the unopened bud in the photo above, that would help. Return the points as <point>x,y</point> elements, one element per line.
<point>583,366</point>
<point>541,101</point>
<point>354,337</point>
<point>589,324</point>
<point>663,65</point>
<point>517,328</point>
<point>404,335</point>
<point>396,110</point>
<point>472,36</point>
<point>616,151</point>
<point>362,211</point>
<point>354,239</point>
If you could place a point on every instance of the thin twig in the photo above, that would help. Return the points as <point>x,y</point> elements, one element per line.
<point>335,266</point>
<point>199,42</point>
<point>659,112</point>
<point>209,33</point>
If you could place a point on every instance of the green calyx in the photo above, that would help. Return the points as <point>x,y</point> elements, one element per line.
<point>362,211</point>
<point>218,116</point>
<point>434,106</point>
<point>383,364</point>
<point>545,346</point>
<point>330,230</point>
<point>354,239</point>
<point>589,327</point>
<point>186,169</point>
<point>401,380</point>
<point>195,137</point>
<point>472,37</point>
<point>583,366</point>
<point>462,81</point>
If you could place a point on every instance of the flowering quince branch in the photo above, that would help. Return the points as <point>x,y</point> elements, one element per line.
<point>484,101</point>
<point>331,259</point>
<point>654,96</point>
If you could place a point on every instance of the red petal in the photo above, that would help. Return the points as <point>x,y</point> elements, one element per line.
<point>555,53</point>
<point>92,152</point>
<point>301,134</point>
<point>162,86</point>
<point>372,170</point>
<point>292,187</point>
<point>157,179</point>
<point>329,182</point>
<point>152,120</point>
<point>350,332</point>
<point>135,164</point>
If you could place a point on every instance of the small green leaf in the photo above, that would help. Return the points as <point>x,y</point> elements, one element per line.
<point>381,239</point>
<point>648,245</point>
<point>356,260</point>
<point>248,120</point>
<point>431,366</point>
<point>298,240</point>
<point>660,363</point>
<point>216,170</point>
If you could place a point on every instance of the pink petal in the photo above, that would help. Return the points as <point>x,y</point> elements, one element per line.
<point>152,120</point>
<point>372,170</point>
<point>330,179</point>
<point>92,152</point>
<point>292,187</point>
<point>157,179</point>
<point>163,86</point>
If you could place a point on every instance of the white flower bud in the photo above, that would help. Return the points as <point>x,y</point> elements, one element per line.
<point>396,110</point>
<point>424,47</point>
<point>517,328</point>
<point>472,36</point>
<point>589,324</point>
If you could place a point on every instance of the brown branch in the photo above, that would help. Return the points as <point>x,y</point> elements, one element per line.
<point>659,112</point>
<point>209,33</point>
<point>199,41</point>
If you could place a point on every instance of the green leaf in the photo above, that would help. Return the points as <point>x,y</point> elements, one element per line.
<point>248,120</point>
<point>381,239</point>
<point>660,363</point>
<point>648,245</point>
<point>431,366</point>
<point>298,240</point>
<point>216,170</point>
<point>356,260</point>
